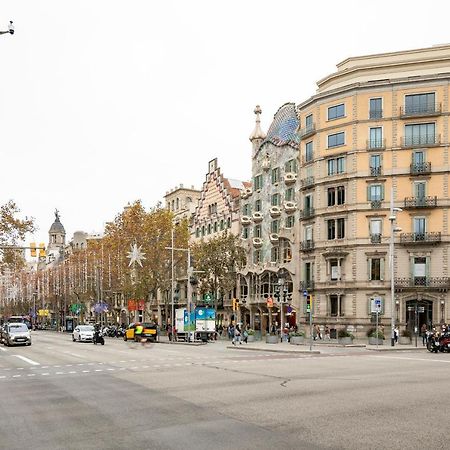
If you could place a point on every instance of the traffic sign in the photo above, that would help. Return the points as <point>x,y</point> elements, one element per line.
<point>305,293</point>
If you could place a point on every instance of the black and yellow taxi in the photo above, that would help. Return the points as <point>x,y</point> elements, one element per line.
<point>149,331</point>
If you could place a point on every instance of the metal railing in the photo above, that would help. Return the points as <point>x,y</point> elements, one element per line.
<point>307,131</point>
<point>307,285</point>
<point>375,238</point>
<point>308,181</point>
<point>375,204</point>
<point>375,171</point>
<point>306,213</point>
<point>307,245</point>
<point>420,202</point>
<point>420,141</point>
<point>420,110</point>
<point>422,282</point>
<point>375,113</point>
<point>420,238</point>
<point>376,144</point>
<point>418,168</point>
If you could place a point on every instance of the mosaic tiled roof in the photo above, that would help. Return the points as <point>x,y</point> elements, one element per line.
<point>283,130</point>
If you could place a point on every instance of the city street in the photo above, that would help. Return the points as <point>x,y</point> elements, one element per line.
<point>63,394</point>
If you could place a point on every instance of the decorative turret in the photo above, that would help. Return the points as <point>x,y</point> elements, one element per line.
<point>258,135</point>
<point>57,239</point>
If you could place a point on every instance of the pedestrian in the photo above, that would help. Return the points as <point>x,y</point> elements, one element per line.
<point>319,333</point>
<point>245,335</point>
<point>423,332</point>
<point>396,334</point>
<point>237,335</point>
<point>169,331</point>
<point>327,333</point>
<point>314,332</point>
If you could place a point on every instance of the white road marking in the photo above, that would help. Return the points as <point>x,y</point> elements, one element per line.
<point>99,370</point>
<point>28,360</point>
<point>16,376</point>
<point>111,369</point>
<point>19,368</point>
<point>2,376</point>
<point>86,371</point>
<point>3,349</point>
<point>59,373</point>
<point>31,374</point>
<point>73,354</point>
<point>72,371</point>
<point>46,373</point>
<point>411,359</point>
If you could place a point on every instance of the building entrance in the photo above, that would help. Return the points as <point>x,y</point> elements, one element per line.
<point>419,312</point>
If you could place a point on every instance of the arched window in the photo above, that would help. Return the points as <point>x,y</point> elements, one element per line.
<point>229,222</point>
<point>209,228</point>
<point>203,230</point>
<point>222,224</point>
<point>197,232</point>
<point>178,203</point>
<point>215,227</point>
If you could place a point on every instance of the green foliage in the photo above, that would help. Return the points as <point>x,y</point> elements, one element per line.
<point>373,333</point>
<point>343,333</point>
<point>250,331</point>
<point>297,334</point>
<point>406,333</point>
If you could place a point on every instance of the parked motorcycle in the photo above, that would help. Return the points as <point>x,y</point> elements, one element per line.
<point>444,342</point>
<point>433,344</point>
<point>98,338</point>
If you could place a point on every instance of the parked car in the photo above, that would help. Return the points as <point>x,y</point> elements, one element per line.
<point>17,334</point>
<point>149,332</point>
<point>2,333</point>
<point>83,333</point>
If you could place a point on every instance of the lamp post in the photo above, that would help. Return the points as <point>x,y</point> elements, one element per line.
<point>394,229</point>
<point>10,29</point>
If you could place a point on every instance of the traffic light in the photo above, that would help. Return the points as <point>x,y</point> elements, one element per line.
<point>33,249</point>
<point>308,303</point>
<point>42,253</point>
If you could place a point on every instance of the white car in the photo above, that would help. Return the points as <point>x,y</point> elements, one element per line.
<point>83,333</point>
<point>16,334</point>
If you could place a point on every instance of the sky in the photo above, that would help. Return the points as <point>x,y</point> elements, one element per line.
<point>103,102</point>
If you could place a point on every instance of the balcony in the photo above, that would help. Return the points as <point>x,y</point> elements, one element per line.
<point>375,204</point>
<point>420,168</point>
<point>375,114</point>
<point>421,141</point>
<point>307,182</point>
<point>420,202</point>
<point>307,245</point>
<point>438,283</point>
<point>246,220</point>
<point>307,285</point>
<point>257,242</point>
<point>375,238</point>
<point>290,178</point>
<point>420,238</point>
<point>257,216</point>
<point>275,211</point>
<point>307,213</point>
<point>375,171</point>
<point>420,111</point>
<point>274,237</point>
<point>309,130</point>
<point>376,144</point>
<point>290,206</point>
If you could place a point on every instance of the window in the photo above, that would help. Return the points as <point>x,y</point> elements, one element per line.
<point>274,254</point>
<point>308,202</point>
<point>246,210</point>
<point>222,224</point>
<point>287,252</point>
<point>420,271</point>
<point>336,306</point>
<point>418,157</point>
<point>420,103</point>
<point>375,230</point>
<point>335,112</point>
<point>258,205</point>
<point>275,175</point>
<point>335,270</point>
<point>197,233</point>
<point>376,269</point>
<point>229,222</point>
<point>245,232</point>
<point>289,195</point>
<point>335,229</point>
<point>275,226</point>
<point>420,189</point>
<point>336,195</point>
<point>375,192</point>
<point>309,151</point>
<point>336,165</point>
<point>256,256</point>
<point>420,228</point>
<point>420,134</point>
<point>291,166</point>
<point>203,230</point>
<point>309,121</point>
<point>257,182</point>
<point>375,108</point>
<point>375,161</point>
<point>335,140</point>
<point>289,222</point>
<point>275,200</point>
<point>178,204</point>
<point>308,271</point>
<point>209,228</point>
<point>375,137</point>
<point>257,231</point>
<point>215,227</point>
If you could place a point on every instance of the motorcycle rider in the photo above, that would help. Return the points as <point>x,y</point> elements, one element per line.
<point>96,332</point>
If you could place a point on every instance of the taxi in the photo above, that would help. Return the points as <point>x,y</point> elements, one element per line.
<point>149,331</point>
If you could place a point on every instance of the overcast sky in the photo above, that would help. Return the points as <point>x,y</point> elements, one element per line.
<point>105,101</point>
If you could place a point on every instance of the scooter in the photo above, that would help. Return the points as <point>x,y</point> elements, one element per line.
<point>444,342</point>
<point>433,343</point>
<point>98,338</point>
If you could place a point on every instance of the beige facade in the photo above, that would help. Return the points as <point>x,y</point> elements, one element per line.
<point>377,127</point>
<point>182,202</point>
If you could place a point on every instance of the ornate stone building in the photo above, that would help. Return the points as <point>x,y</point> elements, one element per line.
<point>269,220</point>
<point>182,202</point>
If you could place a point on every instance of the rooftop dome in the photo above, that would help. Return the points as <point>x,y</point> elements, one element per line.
<point>57,226</point>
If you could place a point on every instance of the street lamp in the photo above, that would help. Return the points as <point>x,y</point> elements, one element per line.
<point>394,229</point>
<point>10,28</point>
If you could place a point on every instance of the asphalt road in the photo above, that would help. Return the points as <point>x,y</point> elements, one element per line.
<point>61,394</point>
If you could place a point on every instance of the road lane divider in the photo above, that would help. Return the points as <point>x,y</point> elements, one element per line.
<point>28,360</point>
<point>3,349</point>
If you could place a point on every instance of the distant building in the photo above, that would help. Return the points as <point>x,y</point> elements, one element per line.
<point>182,202</point>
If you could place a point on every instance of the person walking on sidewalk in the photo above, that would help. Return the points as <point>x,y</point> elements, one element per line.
<point>237,335</point>
<point>327,333</point>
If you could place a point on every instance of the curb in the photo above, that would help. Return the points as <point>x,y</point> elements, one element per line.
<point>395,349</point>
<point>313,352</point>
<point>193,344</point>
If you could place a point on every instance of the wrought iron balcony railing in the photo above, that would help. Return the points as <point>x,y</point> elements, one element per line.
<point>421,141</point>
<point>375,204</point>
<point>420,110</point>
<point>420,238</point>
<point>419,168</point>
<point>307,182</point>
<point>309,130</point>
<point>375,238</point>
<point>375,171</point>
<point>307,245</point>
<point>439,283</point>
<point>420,202</point>
<point>375,114</point>
<point>306,213</point>
<point>376,144</point>
<point>307,285</point>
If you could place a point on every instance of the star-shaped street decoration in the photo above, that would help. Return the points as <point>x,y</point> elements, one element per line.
<point>136,255</point>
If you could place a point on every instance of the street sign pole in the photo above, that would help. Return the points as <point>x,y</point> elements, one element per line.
<point>377,325</point>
